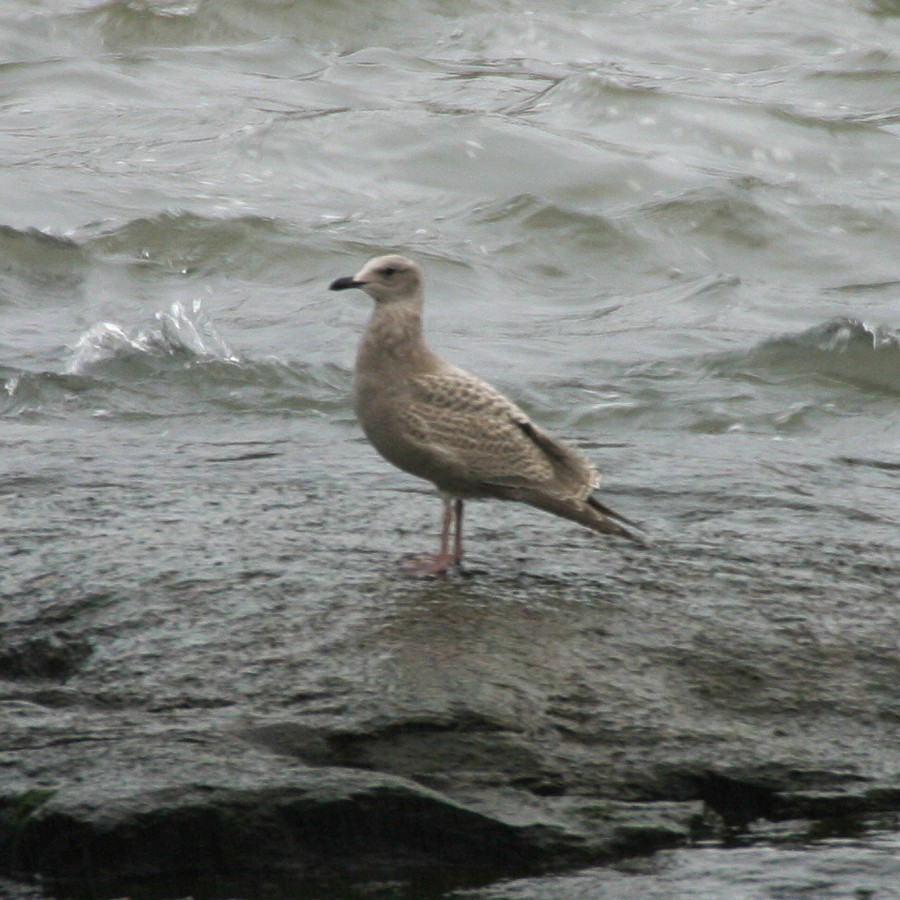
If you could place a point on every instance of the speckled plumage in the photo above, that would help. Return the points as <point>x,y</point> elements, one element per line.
<point>445,425</point>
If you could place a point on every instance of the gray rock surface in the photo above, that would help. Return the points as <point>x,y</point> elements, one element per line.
<point>309,734</point>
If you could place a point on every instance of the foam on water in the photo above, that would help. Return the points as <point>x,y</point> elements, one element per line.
<point>185,331</point>
<point>177,364</point>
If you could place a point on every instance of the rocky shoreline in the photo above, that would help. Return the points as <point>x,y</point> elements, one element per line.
<point>215,813</point>
<point>481,741</point>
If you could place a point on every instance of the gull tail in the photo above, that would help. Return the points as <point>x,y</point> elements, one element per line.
<point>593,514</point>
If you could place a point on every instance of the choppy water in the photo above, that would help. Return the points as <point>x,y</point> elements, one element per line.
<point>670,229</point>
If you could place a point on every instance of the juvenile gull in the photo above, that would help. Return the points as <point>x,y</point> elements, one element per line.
<point>438,422</point>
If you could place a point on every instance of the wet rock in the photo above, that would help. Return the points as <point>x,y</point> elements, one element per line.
<point>317,818</point>
<point>439,750</point>
<point>54,655</point>
<point>863,800</point>
<point>325,728</point>
<point>302,823</point>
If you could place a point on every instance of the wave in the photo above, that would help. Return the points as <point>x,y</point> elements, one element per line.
<point>125,24</point>
<point>557,228</point>
<point>37,263</point>
<point>24,393</point>
<point>179,364</point>
<point>31,256</point>
<point>186,242</point>
<point>188,332</point>
<point>842,349</point>
<point>793,383</point>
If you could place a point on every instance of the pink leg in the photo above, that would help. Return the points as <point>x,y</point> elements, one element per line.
<point>458,548</point>
<point>445,528</point>
<point>438,563</point>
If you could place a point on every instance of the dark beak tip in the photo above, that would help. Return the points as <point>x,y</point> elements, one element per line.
<point>341,284</point>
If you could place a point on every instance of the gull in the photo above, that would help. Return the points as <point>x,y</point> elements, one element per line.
<point>439,422</point>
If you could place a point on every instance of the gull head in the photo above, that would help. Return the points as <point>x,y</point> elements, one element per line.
<point>386,279</point>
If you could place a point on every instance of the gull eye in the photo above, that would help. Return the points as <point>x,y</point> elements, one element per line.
<point>388,270</point>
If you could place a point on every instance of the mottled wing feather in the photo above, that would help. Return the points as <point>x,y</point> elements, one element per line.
<point>573,472</point>
<point>490,438</point>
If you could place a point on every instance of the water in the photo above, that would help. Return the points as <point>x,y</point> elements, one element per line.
<point>836,870</point>
<point>669,229</point>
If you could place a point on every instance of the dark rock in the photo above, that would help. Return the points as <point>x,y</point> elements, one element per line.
<point>330,727</point>
<point>54,655</point>
<point>309,825</point>
<point>324,817</point>
<point>866,799</point>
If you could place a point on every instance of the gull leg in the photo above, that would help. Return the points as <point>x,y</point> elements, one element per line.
<point>445,527</point>
<point>458,547</point>
<point>438,563</point>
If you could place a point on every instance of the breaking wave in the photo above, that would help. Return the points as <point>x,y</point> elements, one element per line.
<point>842,349</point>
<point>188,332</point>
<point>179,364</point>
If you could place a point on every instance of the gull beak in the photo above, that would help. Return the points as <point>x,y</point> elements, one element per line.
<point>342,284</point>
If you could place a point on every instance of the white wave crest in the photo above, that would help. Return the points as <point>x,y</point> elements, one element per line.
<point>180,330</point>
